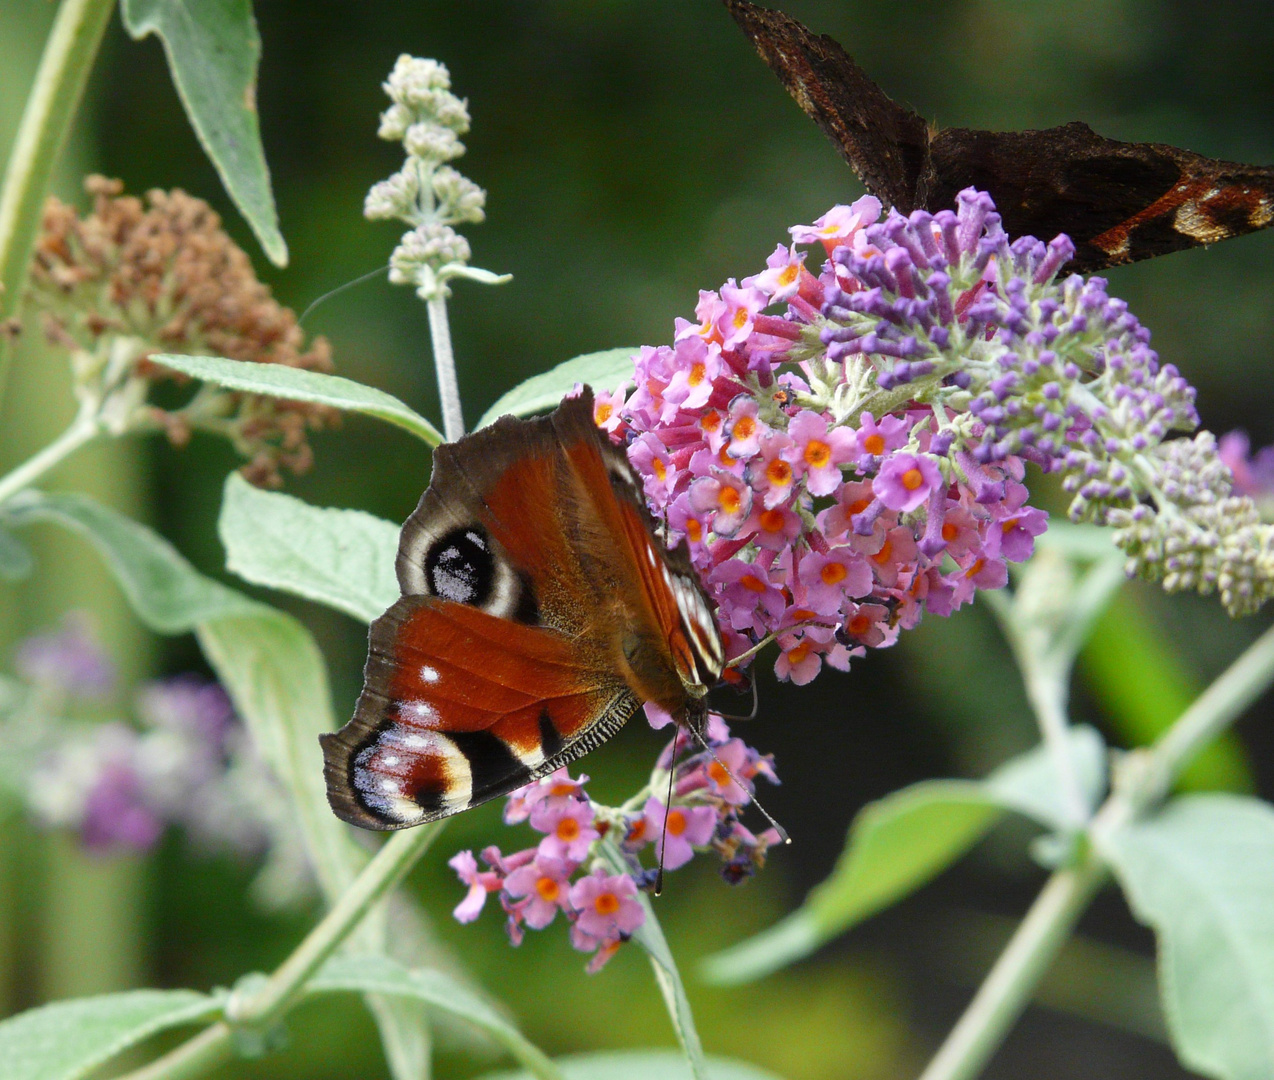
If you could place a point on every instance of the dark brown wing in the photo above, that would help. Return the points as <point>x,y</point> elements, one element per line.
<point>1118,201</point>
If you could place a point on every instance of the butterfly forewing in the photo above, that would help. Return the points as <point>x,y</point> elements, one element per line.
<point>539,610</point>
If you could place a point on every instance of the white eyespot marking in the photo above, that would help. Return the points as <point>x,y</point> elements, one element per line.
<point>415,742</point>
<point>390,760</point>
<point>532,758</point>
<point>380,769</point>
<point>391,786</point>
<point>419,713</point>
<point>428,674</point>
<point>650,554</point>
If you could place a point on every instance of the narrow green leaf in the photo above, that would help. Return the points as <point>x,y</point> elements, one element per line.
<point>381,975</point>
<point>650,936</point>
<point>901,842</point>
<point>213,49</point>
<point>341,558</point>
<point>70,1039</point>
<point>642,1065</point>
<point>1201,873</point>
<point>293,384</point>
<point>15,559</point>
<point>606,370</point>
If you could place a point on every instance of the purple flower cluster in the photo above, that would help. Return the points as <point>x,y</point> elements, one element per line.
<point>563,873</point>
<point>842,453</point>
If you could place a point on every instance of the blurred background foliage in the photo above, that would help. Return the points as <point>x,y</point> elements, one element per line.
<point>633,154</point>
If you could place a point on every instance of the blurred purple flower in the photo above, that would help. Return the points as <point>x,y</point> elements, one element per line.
<point>70,660</point>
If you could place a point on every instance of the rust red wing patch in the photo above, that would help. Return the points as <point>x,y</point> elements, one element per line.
<point>1118,201</point>
<point>459,706</point>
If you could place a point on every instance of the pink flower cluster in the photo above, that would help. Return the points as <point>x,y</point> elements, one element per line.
<point>601,906</point>
<point>825,525</point>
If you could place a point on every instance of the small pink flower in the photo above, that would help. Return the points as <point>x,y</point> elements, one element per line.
<point>873,440</point>
<point>817,453</point>
<point>654,464</point>
<point>742,589</point>
<point>905,480</point>
<point>569,827</point>
<point>744,427</point>
<point>799,659</point>
<point>543,883</point>
<point>771,474</point>
<point>839,225</point>
<point>480,883</point>
<point>690,523</point>
<point>732,757</point>
<point>608,409</point>
<point>868,624</point>
<point>688,827</point>
<point>741,307</point>
<point>696,363</point>
<point>898,552</point>
<point>830,578</point>
<point>727,498</point>
<point>782,278</point>
<point>774,528</point>
<point>557,789</point>
<point>607,905</point>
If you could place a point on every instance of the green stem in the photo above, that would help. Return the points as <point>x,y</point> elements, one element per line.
<point>1011,983</point>
<point>445,368</point>
<point>269,1002</point>
<point>46,121</point>
<point>84,429</point>
<point>1145,781</point>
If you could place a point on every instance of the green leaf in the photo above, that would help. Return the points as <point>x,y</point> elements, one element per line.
<point>341,558</point>
<point>901,842</point>
<point>213,48</point>
<point>294,384</point>
<point>381,975</point>
<point>1201,873</point>
<point>650,936</point>
<point>604,370</point>
<point>70,1039</point>
<point>15,560</point>
<point>267,660</point>
<point>642,1065</point>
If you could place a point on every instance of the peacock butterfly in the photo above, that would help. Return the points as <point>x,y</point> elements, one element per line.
<point>1118,201</point>
<point>540,608</point>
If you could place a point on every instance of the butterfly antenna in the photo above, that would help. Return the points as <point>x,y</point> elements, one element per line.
<point>751,798</point>
<point>756,707</point>
<point>340,289</point>
<point>663,835</point>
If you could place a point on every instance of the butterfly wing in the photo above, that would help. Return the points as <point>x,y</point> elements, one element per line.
<point>539,609</point>
<point>460,706</point>
<point>1118,201</point>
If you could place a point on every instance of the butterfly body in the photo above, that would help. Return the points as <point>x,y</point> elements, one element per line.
<point>539,610</point>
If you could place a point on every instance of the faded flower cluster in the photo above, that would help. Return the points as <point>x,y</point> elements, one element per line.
<point>586,864</point>
<point>131,279</point>
<point>184,760</point>
<point>427,193</point>
<point>843,452</point>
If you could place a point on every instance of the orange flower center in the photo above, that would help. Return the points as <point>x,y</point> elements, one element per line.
<point>833,573</point>
<point>859,624</point>
<point>741,316</point>
<point>798,653</point>
<point>568,829</point>
<point>603,412</point>
<point>912,479</point>
<point>638,831</point>
<point>562,789</point>
<point>817,454</point>
<point>779,472</point>
<point>874,444</point>
<point>548,889</point>
<point>659,469</point>
<point>859,506</point>
<point>752,583</point>
<point>744,427</point>
<point>975,569</point>
<point>723,455</point>
<point>885,553</point>
<point>694,530</point>
<point>697,374</point>
<point>949,531</point>
<point>772,520</point>
<point>676,822</point>
<point>789,274</point>
<point>800,614</point>
<point>718,774</point>
<point>730,500</point>
<point>1009,526</point>
<point>607,903</point>
<point>710,420</point>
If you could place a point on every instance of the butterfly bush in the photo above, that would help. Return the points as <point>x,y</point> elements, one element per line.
<point>182,759</point>
<point>565,872</point>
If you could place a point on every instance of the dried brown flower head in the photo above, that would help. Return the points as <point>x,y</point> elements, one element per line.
<point>164,273</point>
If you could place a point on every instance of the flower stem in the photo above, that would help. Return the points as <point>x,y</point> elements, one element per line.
<point>1012,981</point>
<point>445,366</point>
<point>265,1005</point>
<point>84,429</point>
<point>46,121</point>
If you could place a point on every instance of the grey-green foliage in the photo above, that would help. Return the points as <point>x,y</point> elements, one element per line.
<point>1201,873</point>
<point>642,1065</point>
<point>900,842</point>
<point>68,1040</point>
<point>341,558</point>
<point>213,49</point>
<point>606,370</point>
<point>295,384</point>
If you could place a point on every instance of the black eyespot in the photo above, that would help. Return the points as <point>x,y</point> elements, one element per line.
<point>528,609</point>
<point>461,567</point>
